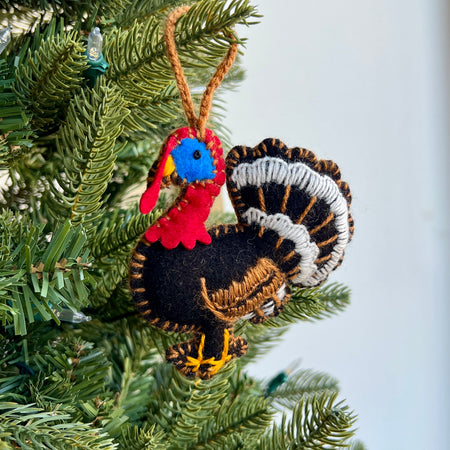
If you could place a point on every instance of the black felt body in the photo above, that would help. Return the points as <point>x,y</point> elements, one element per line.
<point>172,278</point>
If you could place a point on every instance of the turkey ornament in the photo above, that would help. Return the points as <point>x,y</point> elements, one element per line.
<point>294,224</point>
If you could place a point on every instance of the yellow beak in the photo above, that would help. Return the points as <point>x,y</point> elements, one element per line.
<point>169,167</point>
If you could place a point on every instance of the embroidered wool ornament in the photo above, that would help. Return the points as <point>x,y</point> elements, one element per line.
<point>293,226</point>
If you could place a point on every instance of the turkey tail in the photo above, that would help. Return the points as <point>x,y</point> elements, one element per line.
<point>300,197</point>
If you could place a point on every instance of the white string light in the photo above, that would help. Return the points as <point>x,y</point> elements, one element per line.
<point>67,315</point>
<point>94,45</point>
<point>5,37</point>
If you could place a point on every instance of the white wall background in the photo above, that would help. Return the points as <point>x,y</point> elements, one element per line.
<point>362,82</point>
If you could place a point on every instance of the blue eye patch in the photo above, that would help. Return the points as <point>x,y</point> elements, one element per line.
<point>193,161</point>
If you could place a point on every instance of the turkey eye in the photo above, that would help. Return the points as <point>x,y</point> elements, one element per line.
<point>197,154</point>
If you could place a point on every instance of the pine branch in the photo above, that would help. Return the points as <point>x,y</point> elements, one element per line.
<point>358,445</point>
<point>87,152</point>
<point>141,10</point>
<point>104,381</point>
<point>261,339</point>
<point>129,344</point>
<point>301,383</point>
<point>132,165</point>
<point>202,27</point>
<point>313,304</point>
<point>216,218</point>
<point>144,75</point>
<point>40,277</point>
<point>142,438</point>
<point>111,277</point>
<point>15,132</point>
<point>28,427</point>
<point>185,406</point>
<point>68,374</point>
<point>133,390</point>
<point>72,371</point>
<point>46,80</point>
<point>334,297</point>
<point>152,98</point>
<point>120,231</point>
<point>305,304</point>
<point>317,422</point>
<point>112,246</point>
<point>59,7</point>
<point>241,422</point>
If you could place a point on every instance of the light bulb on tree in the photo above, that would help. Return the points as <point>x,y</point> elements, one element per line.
<point>97,64</point>
<point>5,37</point>
<point>95,44</point>
<point>67,315</point>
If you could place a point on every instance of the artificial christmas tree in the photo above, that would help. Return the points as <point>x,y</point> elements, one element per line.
<point>79,368</point>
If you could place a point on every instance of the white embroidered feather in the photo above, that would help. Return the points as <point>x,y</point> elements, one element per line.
<point>276,170</point>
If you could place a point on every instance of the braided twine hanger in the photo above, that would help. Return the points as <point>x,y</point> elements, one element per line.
<point>199,123</point>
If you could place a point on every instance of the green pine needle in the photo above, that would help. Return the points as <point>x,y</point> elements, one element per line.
<point>120,232</point>
<point>313,304</point>
<point>318,422</point>
<point>131,10</point>
<point>358,445</point>
<point>240,422</point>
<point>87,153</point>
<point>185,406</point>
<point>15,131</point>
<point>41,275</point>
<point>305,305</point>
<point>142,438</point>
<point>144,74</point>
<point>301,383</point>
<point>28,427</point>
<point>46,79</point>
<point>112,246</point>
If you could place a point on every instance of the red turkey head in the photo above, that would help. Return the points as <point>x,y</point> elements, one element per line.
<point>184,159</point>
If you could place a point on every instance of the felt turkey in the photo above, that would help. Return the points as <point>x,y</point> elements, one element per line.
<point>293,226</point>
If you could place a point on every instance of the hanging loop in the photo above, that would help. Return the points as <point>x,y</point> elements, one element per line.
<point>205,106</point>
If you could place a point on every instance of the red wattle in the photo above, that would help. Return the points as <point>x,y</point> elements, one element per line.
<point>184,223</point>
<point>150,196</point>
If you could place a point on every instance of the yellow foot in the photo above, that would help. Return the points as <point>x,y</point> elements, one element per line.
<point>195,363</point>
<point>217,365</point>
